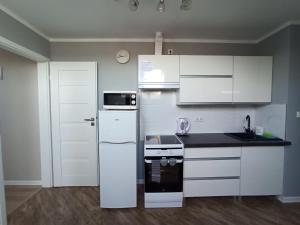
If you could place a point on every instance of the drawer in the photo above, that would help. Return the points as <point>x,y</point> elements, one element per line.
<point>212,168</point>
<point>202,188</point>
<point>190,153</point>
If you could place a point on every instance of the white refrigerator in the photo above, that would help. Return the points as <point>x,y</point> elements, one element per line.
<point>118,158</point>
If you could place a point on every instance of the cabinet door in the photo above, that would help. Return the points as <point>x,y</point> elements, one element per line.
<point>204,89</point>
<point>206,65</point>
<point>252,79</point>
<point>262,170</point>
<point>158,69</point>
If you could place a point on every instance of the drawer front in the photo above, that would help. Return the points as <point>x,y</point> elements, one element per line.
<point>212,168</point>
<point>201,90</point>
<point>202,188</point>
<point>190,153</point>
<point>206,65</point>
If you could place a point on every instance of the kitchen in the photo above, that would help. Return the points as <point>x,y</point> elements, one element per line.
<point>159,108</point>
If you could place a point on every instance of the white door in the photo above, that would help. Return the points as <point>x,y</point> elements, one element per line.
<point>73,102</point>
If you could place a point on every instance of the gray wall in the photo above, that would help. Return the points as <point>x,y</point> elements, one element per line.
<point>292,156</point>
<point>19,118</point>
<point>16,32</point>
<point>114,76</point>
<point>285,48</point>
<point>278,46</point>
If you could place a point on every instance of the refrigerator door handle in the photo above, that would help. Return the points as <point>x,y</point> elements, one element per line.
<point>118,143</point>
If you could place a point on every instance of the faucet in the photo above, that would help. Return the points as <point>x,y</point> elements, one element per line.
<point>248,128</point>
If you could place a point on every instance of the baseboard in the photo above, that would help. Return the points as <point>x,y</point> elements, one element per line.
<point>140,181</point>
<point>289,199</point>
<point>23,182</point>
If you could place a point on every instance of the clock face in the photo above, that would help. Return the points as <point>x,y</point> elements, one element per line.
<point>122,56</point>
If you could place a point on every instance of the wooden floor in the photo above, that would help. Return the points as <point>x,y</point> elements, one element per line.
<point>80,206</point>
<point>15,196</point>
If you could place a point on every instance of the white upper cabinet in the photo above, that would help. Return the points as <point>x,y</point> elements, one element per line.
<point>158,71</point>
<point>205,79</point>
<point>252,79</point>
<point>203,65</point>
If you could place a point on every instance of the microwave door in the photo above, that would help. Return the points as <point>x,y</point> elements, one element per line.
<point>116,99</point>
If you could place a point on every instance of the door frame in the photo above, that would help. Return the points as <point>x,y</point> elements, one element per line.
<point>45,124</point>
<point>46,144</point>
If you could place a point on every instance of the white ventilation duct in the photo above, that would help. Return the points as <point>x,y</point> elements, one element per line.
<point>158,43</point>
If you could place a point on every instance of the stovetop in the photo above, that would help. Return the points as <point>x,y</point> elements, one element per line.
<point>163,145</point>
<point>162,140</point>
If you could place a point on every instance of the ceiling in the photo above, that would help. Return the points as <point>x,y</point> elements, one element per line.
<point>208,19</point>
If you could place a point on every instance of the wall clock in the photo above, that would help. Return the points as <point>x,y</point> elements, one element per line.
<point>122,56</point>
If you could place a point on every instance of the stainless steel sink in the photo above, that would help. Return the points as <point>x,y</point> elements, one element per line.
<point>251,137</point>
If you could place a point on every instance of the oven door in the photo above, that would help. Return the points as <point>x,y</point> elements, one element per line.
<point>163,174</point>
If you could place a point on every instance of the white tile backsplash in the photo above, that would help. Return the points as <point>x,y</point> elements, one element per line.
<point>272,118</point>
<point>158,113</point>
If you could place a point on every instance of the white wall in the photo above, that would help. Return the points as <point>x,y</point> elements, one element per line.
<point>19,118</point>
<point>158,113</point>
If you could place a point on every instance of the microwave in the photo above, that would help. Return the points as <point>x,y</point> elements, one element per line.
<point>126,100</point>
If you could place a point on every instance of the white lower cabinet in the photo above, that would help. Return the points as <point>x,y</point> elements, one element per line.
<point>211,172</point>
<point>233,171</point>
<point>262,170</point>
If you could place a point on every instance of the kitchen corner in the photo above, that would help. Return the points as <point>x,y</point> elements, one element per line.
<point>233,137</point>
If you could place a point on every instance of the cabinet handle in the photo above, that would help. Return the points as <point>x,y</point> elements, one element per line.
<point>89,120</point>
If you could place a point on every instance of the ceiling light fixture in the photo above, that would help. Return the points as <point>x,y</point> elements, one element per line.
<point>186,5</point>
<point>161,7</point>
<point>133,5</point>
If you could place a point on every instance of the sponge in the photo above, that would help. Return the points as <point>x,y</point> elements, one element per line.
<point>268,134</point>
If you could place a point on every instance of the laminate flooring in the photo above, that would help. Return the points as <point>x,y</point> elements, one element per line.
<point>15,196</point>
<point>80,206</point>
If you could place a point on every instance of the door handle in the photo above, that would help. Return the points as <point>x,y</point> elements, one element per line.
<point>89,120</point>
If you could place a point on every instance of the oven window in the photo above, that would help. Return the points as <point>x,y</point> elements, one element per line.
<point>159,178</point>
<point>116,99</point>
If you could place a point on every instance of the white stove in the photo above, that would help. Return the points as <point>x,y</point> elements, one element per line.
<point>163,145</point>
<point>163,171</point>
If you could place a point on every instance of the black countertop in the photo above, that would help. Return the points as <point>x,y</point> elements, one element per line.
<point>222,140</point>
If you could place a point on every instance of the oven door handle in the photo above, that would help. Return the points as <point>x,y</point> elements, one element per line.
<point>148,161</point>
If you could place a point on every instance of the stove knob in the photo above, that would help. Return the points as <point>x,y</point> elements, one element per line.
<point>132,102</point>
<point>133,96</point>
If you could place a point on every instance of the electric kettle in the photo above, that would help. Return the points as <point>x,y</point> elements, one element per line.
<point>183,126</point>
